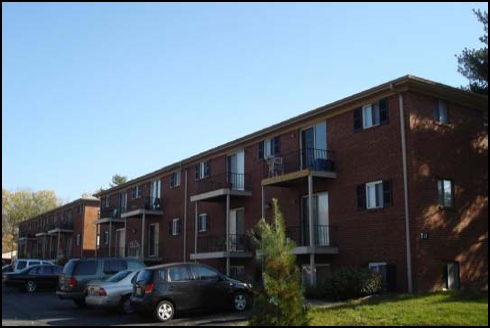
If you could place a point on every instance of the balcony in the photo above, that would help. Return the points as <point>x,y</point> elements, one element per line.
<point>289,168</point>
<point>218,186</point>
<point>152,251</point>
<point>140,206</point>
<point>324,242</point>
<point>60,227</point>
<point>214,247</point>
<point>110,215</point>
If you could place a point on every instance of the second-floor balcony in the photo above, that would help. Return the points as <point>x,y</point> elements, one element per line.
<point>218,186</point>
<point>216,246</point>
<point>290,167</point>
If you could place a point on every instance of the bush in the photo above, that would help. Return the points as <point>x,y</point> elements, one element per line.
<point>279,301</point>
<point>348,283</point>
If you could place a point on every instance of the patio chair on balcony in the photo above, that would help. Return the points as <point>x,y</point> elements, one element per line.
<point>275,166</point>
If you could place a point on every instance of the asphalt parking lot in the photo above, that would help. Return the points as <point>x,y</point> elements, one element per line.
<point>43,308</point>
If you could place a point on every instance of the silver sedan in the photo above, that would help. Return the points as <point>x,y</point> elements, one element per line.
<point>112,293</point>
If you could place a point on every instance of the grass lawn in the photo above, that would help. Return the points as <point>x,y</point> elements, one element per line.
<point>437,309</point>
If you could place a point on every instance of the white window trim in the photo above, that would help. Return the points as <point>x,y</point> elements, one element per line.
<point>175,176</point>
<point>373,184</point>
<point>376,264</point>
<point>370,107</point>
<point>200,222</point>
<point>175,226</point>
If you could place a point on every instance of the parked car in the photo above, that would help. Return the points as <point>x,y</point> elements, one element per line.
<point>77,272</point>
<point>162,290</point>
<point>113,293</point>
<point>34,277</point>
<point>21,264</point>
<point>7,268</point>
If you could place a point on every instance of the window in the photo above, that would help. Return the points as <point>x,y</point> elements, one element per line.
<point>155,189</point>
<point>80,209</point>
<point>451,275</point>
<point>373,195</point>
<point>174,179</point>
<point>371,115</point>
<point>445,192</point>
<point>202,170</point>
<point>136,192</point>
<point>269,148</point>
<point>114,266</point>
<point>175,227</point>
<point>203,223</point>
<point>105,239</point>
<point>79,239</point>
<point>203,273</point>
<point>108,201</point>
<point>440,112</point>
<point>178,273</point>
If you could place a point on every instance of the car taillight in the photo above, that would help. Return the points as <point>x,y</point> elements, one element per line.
<point>102,292</point>
<point>149,288</point>
<point>72,282</point>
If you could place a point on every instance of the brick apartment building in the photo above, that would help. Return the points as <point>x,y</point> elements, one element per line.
<point>65,232</point>
<point>394,178</point>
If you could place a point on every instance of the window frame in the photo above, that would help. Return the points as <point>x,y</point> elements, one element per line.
<point>378,202</point>
<point>200,221</point>
<point>441,199</point>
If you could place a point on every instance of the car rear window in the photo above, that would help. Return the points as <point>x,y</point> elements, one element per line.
<point>119,276</point>
<point>85,268</point>
<point>21,265</point>
<point>114,266</point>
<point>145,276</point>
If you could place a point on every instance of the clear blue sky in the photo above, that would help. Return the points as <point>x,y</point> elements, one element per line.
<point>91,90</point>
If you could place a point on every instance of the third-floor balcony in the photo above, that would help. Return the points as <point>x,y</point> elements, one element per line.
<point>219,186</point>
<point>285,170</point>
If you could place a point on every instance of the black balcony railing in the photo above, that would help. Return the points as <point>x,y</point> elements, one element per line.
<point>323,235</point>
<point>144,203</point>
<point>133,249</point>
<point>308,158</point>
<point>234,181</point>
<point>27,235</point>
<point>209,244</point>
<point>61,225</point>
<point>111,212</point>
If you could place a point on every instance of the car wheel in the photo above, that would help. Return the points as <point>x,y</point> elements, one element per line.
<point>31,286</point>
<point>125,305</point>
<point>240,302</point>
<point>164,311</point>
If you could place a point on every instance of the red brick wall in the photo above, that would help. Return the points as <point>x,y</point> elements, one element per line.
<point>458,151</point>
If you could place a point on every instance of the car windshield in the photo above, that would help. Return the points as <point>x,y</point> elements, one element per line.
<point>119,276</point>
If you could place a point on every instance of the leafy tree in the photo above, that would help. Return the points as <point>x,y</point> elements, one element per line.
<point>118,179</point>
<point>22,205</point>
<point>280,301</point>
<point>473,63</point>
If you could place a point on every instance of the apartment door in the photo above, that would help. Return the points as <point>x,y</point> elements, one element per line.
<point>120,239</point>
<point>313,145</point>
<point>320,220</point>
<point>235,168</point>
<point>237,229</point>
<point>123,201</point>
<point>153,240</point>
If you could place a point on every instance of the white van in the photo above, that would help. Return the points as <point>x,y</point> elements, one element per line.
<point>21,264</point>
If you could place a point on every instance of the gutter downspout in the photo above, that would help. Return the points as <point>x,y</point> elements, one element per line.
<point>185,217</point>
<point>405,192</point>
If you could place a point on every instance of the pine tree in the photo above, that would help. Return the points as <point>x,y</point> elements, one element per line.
<point>280,301</point>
